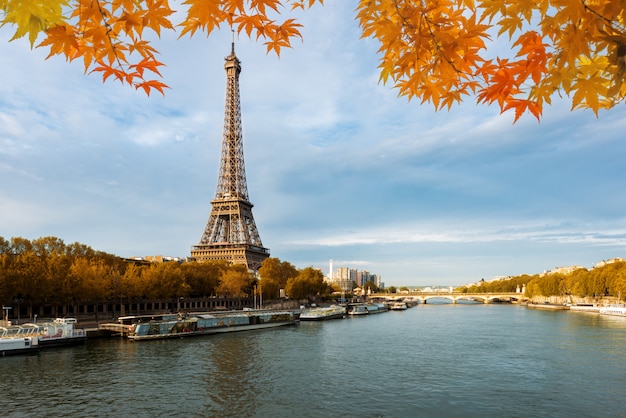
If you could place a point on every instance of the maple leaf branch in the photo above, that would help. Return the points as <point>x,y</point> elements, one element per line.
<point>109,30</point>
<point>611,23</point>
<point>618,57</point>
<point>429,24</point>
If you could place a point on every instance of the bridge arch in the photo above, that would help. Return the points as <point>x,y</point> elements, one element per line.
<point>454,297</point>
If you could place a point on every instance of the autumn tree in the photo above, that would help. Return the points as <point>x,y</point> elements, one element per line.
<point>618,284</point>
<point>6,284</point>
<point>167,280</point>
<point>5,246</point>
<point>308,283</point>
<point>532,288</point>
<point>274,276</point>
<point>202,278</point>
<point>517,55</point>
<point>235,282</point>
<point>131,284</point>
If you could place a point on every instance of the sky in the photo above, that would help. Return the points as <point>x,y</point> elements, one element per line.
<point>338,166</point>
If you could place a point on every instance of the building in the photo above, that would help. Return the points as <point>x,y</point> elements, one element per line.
<point>231,233</point>
<point>346,278</point>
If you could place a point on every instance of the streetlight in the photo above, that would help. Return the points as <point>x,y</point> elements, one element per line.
<point>6,310</point>
<point>19,306</point>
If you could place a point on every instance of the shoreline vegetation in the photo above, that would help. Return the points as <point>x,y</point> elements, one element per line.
<point>581,285</point>
<point>47,278</point>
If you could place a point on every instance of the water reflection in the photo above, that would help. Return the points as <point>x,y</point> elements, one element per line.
<point>230,379</point>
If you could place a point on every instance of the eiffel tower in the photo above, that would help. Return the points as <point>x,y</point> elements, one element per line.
<point>230,233</point>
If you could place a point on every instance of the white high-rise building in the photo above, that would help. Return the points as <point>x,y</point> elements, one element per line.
<point>330,271</point>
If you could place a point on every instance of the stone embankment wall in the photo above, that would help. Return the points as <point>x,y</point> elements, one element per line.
<point>576,300</point>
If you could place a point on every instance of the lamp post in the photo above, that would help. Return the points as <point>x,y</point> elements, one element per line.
<point>19,308</point>
<point>6,310</point>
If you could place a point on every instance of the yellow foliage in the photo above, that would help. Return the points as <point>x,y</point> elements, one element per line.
<point>439,51</point>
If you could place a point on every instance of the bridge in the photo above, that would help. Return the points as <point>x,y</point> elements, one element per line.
<point>424,297</point>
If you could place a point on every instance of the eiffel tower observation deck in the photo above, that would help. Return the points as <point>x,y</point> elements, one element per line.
<point>230,233</point>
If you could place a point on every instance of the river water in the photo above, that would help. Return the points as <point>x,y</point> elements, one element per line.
<point>429,361</point>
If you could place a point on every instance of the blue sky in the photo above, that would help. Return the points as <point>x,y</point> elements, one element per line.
<point>338,166</point>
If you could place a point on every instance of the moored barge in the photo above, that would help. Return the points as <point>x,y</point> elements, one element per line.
<point>196,324</point>
<point>323,313</point>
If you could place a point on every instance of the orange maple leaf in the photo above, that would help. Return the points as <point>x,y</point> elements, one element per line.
<point>151,84</point>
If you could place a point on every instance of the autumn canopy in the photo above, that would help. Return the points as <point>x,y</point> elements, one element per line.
<point>516,53</point>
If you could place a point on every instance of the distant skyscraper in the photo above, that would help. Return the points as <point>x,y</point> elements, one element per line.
<point>230,233</point>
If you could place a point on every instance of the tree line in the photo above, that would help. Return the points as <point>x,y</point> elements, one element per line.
<point>48,271</point>
<point>608,280</point>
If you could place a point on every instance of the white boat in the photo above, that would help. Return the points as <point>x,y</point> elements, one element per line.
<point>26,338</point>
<point>618,309</point>
<point>589,307</point>
<point>16,340</point>
<point>323,313</point>
<point>196,324</point>
<point>61,331</point>
<point>398,306</point>
<point>357,310</point>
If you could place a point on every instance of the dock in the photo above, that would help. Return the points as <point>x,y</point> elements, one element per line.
<point>548,306</point>
<point>108,330</point>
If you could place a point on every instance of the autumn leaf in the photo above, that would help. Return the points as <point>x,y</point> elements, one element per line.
<point>32,17</point>
<point>436,51</point>
<point>147,86</point>
<point>156,16</point>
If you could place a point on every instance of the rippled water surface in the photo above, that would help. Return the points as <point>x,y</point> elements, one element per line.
<point>430,361</point>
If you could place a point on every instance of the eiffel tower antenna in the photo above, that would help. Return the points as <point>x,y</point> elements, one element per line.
<point>230,233</point>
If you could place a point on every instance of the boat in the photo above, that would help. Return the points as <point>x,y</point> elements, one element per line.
<point>205,323</point>
<point>375,308</point>
<point>617,309</point>
<point>323,313</point>
<point>398,306</point>
<point>60,332</point>
<point>357,310</point>
<point>548,306</point>
<point>585,307</point>
<point>17,340</point>
<point>26,338</point>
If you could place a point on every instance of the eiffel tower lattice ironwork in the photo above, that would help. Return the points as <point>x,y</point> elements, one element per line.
<point>230,233</point>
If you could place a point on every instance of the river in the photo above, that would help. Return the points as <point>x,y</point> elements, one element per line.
<point>429,361</point>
